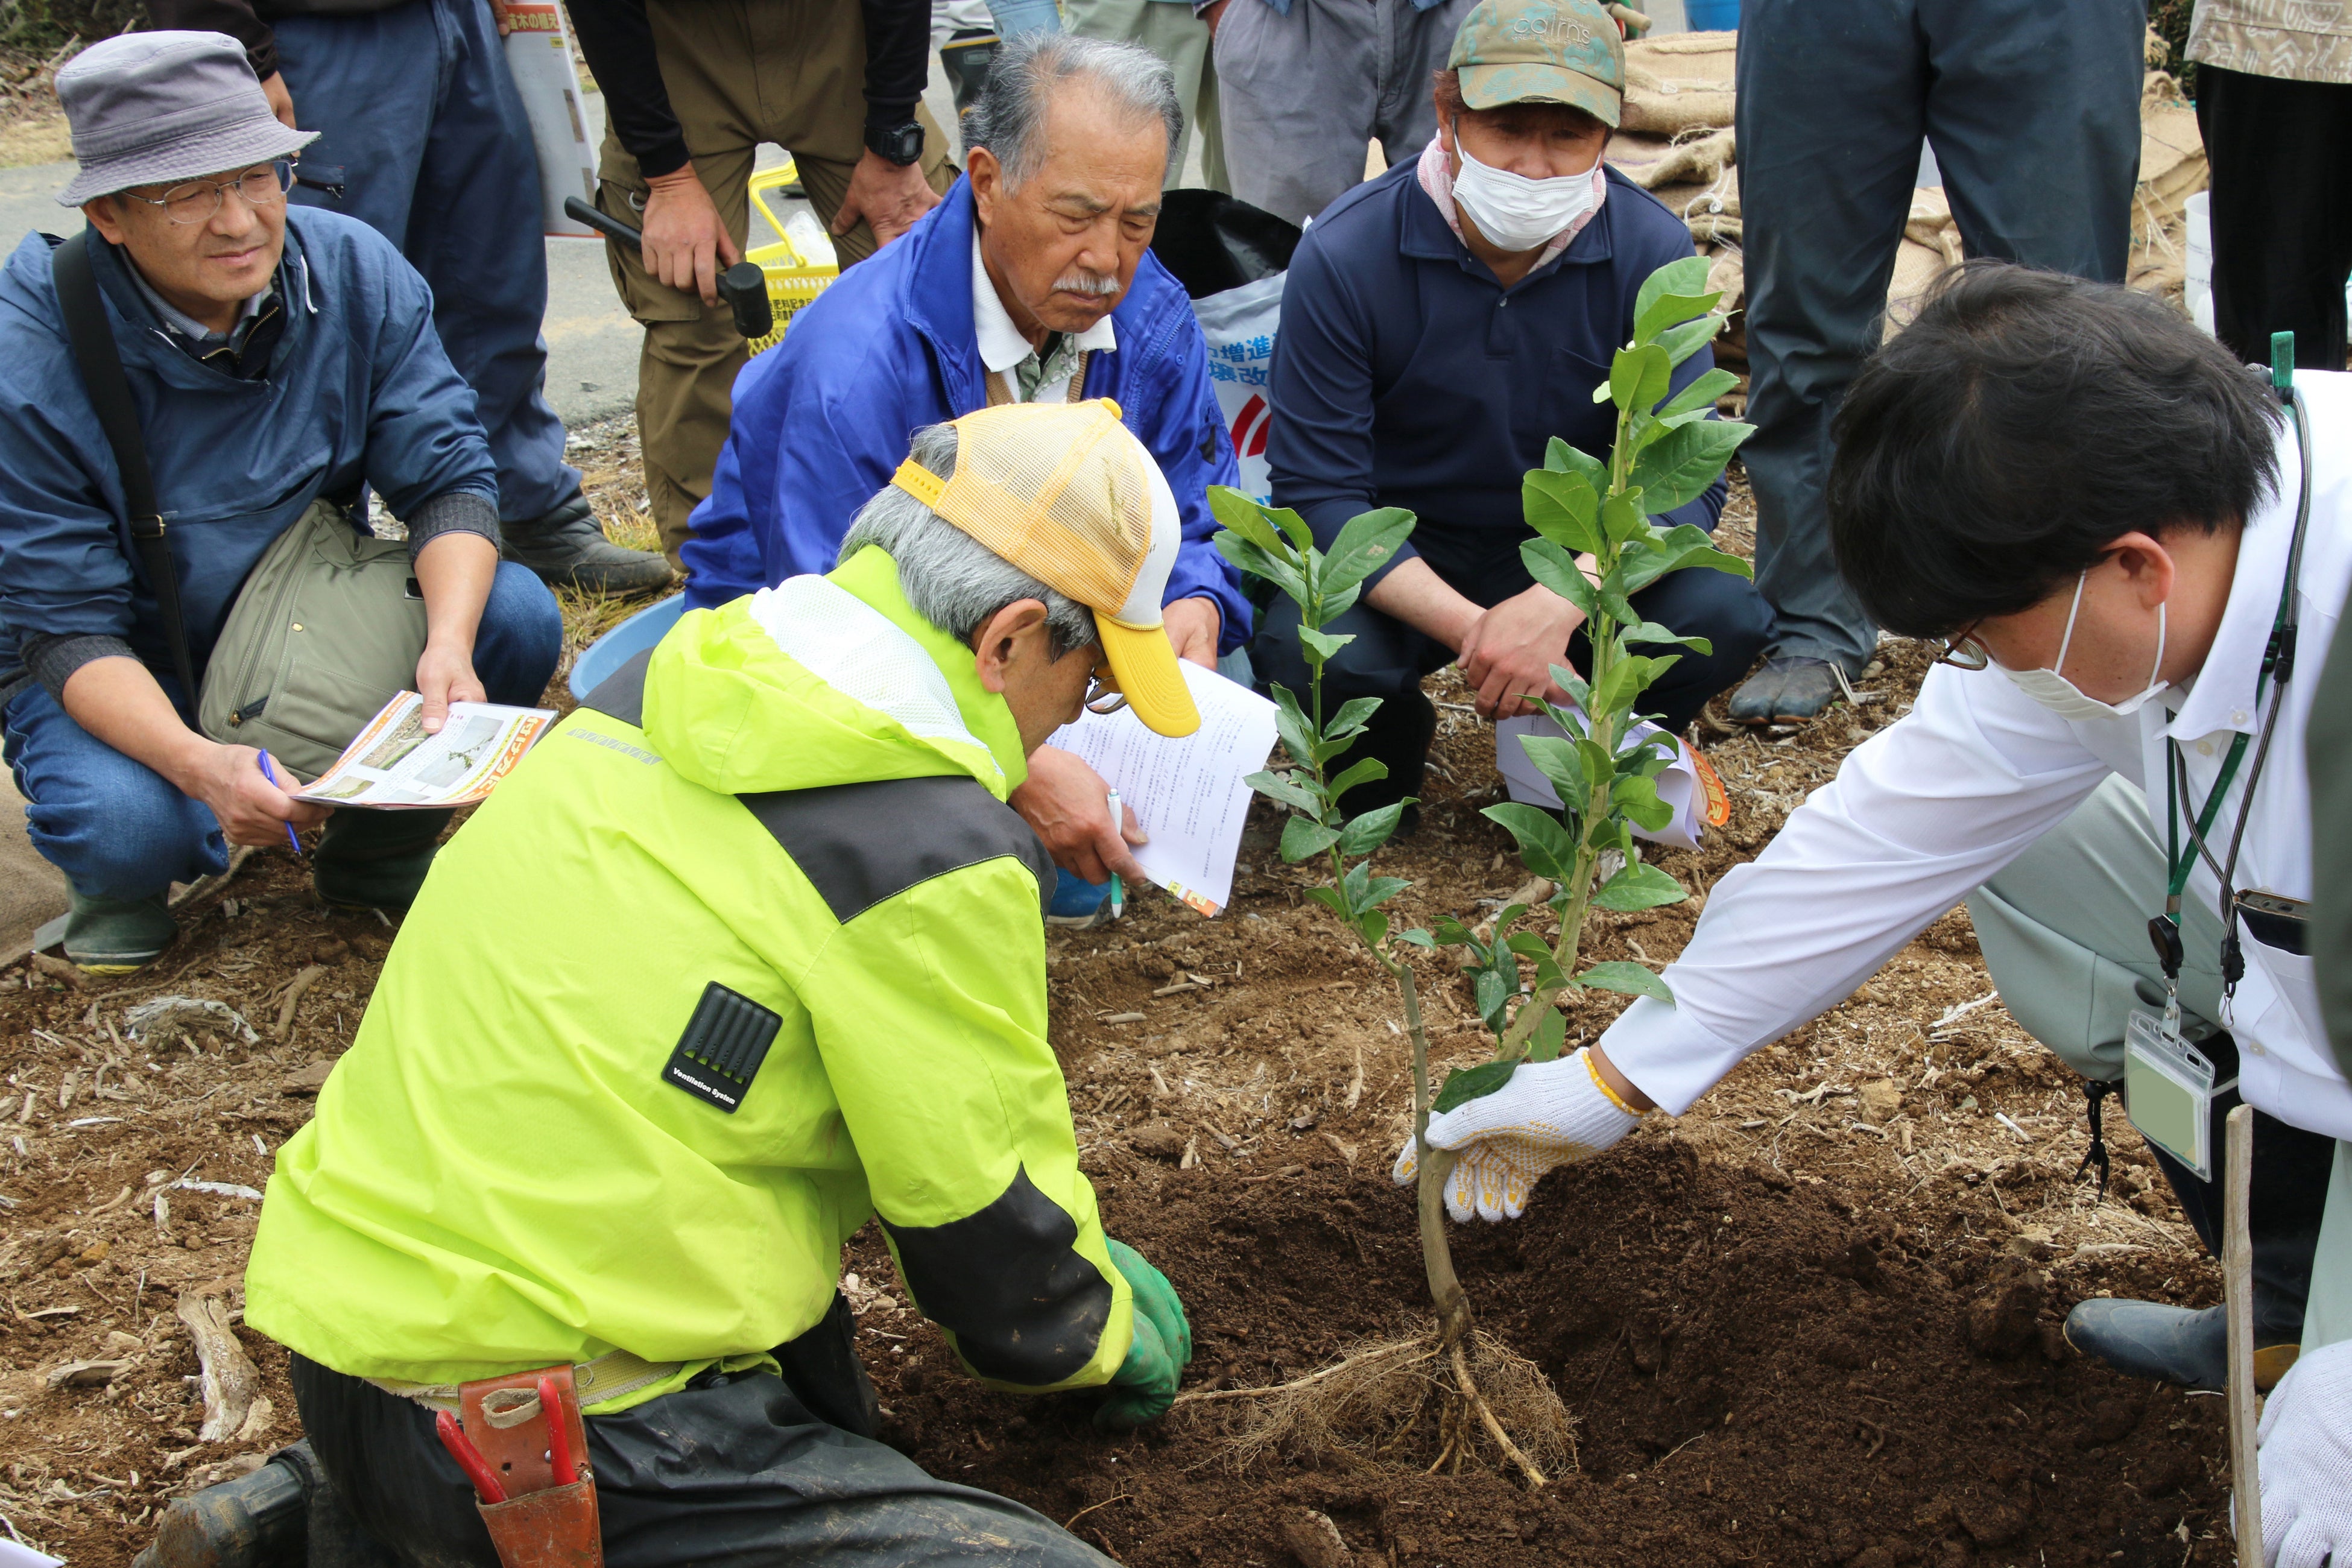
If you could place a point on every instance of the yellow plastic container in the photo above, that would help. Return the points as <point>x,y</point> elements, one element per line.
<point>794,279</point>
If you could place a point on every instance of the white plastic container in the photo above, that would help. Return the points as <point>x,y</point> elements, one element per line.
<point>2198,291</point>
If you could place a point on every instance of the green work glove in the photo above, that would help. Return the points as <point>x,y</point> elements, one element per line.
<point>1145,1385</point>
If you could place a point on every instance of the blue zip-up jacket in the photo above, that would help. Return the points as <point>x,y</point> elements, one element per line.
<point>1405,375</point>
<point>357,388</point>
<point>824,419</point>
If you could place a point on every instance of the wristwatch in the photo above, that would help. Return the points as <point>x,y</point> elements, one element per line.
<point>902,144</point>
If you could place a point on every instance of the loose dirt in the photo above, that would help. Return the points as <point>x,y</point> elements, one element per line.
<point>1812,1321</point>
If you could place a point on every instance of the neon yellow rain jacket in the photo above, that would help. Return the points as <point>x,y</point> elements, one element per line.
<point>528,1156</point>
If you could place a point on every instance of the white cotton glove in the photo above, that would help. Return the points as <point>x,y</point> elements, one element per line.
<point>2305,1462</point>
<point>1551,1113</point>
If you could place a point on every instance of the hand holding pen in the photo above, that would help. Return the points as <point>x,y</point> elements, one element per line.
<point>271,774</point>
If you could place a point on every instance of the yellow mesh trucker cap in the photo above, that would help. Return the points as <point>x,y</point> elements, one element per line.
<point>1066,493</point>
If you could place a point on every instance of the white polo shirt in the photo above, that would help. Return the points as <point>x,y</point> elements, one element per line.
<point>1925,811</point>
<point>1003,348</point>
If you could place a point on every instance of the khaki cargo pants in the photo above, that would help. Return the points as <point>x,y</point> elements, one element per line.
<point>739,73</point>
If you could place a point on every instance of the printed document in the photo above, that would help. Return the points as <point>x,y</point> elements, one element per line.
<point>394,764</point>
<point>1188,794</point>
<point>1688,784</point>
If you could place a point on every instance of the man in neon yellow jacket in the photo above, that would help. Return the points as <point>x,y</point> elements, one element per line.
<point>748,951</point>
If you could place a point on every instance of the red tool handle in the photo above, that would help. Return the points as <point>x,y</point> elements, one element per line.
<point>559,1433</point>
<point>469,1458</point>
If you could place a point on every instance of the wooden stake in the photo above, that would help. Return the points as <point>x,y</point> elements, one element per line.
<point>2238,1285</point>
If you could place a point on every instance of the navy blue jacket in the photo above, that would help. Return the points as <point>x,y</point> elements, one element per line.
<point>357,388</point>
<point>824,419</point>
<point>1405,375</point>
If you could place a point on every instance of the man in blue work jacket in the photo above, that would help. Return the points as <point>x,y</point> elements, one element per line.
<point>275,360</point>
<point>1032,281</point>
<point>1440,325</point>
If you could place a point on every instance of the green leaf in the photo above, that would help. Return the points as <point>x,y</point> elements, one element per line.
<point>1373,927</point>
<point>1551,1032</point>
<point>1544,845</point>
<point>1562,459</point>
<point>1556,569</point>
<point>1330,899</point>
<point>1639,886</point>
<point>1681,343</point>
<point>1491,993</point>
<point>1418,937</point>
<point>1367,543</point>
<point>1528,944</point>
<point>1245,517</point>
<point>1561,507</point>
<point>1290,722</point>
<point>1380,890</point>
<point>1323,646</point>
<point>1573,684</point>
<point>1352,716</point>
<point>1650,631</point>
<point>1556,758</point>
<point>1286,789</point>
<point>1621,515</point>
<point>1302,538</point>
<point>1637,797</point>
<point>1687,276</point>
<point>1463,1085</point>
<point>1252,561</point>
<point>1452,932</point>
<point>1362,772</point>
<point>1671,309</point>
<point>1638,376</point>
<point>1681,467</point>
<point>1615,606</point>
<point>1642,565</point>
<point>1303,836</point>
<point>1619,974</point>
<point>1699,395</point>
<point>1369,831</point>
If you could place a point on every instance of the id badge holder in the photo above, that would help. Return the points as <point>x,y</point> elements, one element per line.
<point>2168,1092</point>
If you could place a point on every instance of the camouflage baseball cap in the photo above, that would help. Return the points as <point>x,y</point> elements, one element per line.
<point>1542,51</point>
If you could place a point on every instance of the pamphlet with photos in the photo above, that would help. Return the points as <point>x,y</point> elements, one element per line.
<point>396,765</point>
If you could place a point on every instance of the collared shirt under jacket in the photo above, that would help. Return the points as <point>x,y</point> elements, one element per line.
<point>1935,804</point>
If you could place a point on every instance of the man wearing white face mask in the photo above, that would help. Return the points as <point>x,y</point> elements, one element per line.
<point>2137,551</point>
<point>1440,325</point>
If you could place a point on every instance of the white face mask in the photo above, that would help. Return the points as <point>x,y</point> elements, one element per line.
<point>2063,697</point>
<point>1515,212</point>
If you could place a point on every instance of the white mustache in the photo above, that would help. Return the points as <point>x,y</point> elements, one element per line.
<point>1082,282</point>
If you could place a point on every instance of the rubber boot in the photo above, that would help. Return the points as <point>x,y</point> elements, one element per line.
<point>1078,904</point>
<point>375,860</point>
<point>258,1520</point>
<point>965,58</point>
<point>1786,691</point>
<point>568,549</point>
<point>118,936</point>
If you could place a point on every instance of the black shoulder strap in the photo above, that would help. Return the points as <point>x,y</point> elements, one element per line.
<point>110,394</point>
<point>861,844</point>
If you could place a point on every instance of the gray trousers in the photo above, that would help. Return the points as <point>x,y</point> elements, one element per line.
<point>2064,933</point>
<point>2032,108</point>
<point>1302,95</point>
<point>1169,30</point>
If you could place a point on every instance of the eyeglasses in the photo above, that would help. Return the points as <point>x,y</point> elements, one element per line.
<point>1965,651</point>
<point>196,201</point>
<point>1103,698</point>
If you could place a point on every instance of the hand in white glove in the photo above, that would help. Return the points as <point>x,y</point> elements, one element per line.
<point>2305,1462</point>
<point>1550,1113</point>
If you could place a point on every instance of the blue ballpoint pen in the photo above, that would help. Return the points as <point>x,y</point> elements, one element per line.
<point>272,775</point>
<point>1117,825</point>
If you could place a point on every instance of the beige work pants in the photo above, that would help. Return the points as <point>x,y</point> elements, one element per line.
<point>739,72</point>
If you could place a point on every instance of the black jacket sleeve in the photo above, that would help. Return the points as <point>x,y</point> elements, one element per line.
<point>234,17</point>
<point>898,58</point>
<point>619,45</point>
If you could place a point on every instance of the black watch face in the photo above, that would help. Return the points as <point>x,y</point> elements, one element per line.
<point>901,144</point>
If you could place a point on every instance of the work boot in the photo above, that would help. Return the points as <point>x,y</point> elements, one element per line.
<point>375,860</point>
<point>1787,691</point>
<point>258,1520</point>
<point>569,550</point>
<point>117,936</point>
<point>2170,1344</point>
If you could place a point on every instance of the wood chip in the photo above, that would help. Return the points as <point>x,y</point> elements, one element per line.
<point>87,1374</point>
<point>57,968</point>
<point>1355,1083</point>
<point>302,982</point>
<point>1119,1018</point>
<point>230,1382</point>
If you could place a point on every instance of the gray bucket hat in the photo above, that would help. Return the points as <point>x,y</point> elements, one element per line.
<point>147,108</point>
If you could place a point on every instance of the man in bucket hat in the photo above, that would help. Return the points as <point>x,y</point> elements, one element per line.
<point>633,1149</point>
<point>275,363</point>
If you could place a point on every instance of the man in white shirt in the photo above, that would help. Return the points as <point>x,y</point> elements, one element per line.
<point>2083,494</point>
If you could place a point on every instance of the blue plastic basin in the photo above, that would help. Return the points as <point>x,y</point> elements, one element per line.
<point>1712,16</point>
<point>600,658</point>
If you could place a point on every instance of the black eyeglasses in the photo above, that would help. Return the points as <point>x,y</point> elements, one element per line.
<point>1964,652</point>
<point>195,202</point>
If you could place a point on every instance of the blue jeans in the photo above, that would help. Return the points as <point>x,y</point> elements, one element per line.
<point>118,829</point>
<point>421,125</point>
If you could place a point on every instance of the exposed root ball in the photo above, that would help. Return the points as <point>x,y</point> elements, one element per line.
<point>1395,1400</point>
